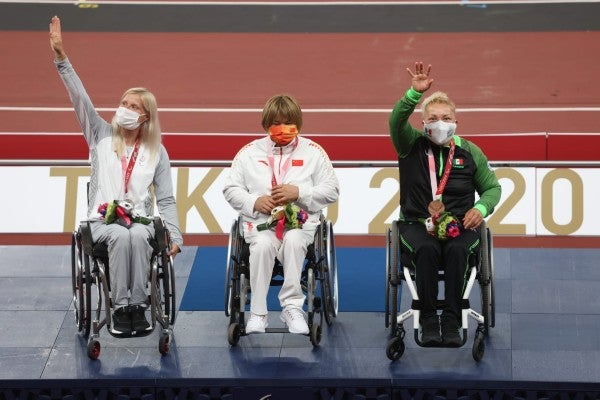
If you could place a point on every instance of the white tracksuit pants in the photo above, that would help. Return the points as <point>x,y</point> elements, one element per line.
<point>291,252</point>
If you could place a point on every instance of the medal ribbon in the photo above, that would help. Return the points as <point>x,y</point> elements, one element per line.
<point>436,191</point>
<point>131,164</point>
<point>286,164</point>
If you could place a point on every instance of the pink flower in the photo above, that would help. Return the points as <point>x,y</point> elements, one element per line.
<point>453,231</point>
<point>302,216</point>
<point>102,209</point>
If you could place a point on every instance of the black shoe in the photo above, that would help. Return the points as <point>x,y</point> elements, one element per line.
<point>121,321</point>
<point>138,319</point>
<point>450,331</point>
<point>430,335</point>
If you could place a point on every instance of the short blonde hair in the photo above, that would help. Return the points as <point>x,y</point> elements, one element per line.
<point>281,106</point>
<point>438,98</point>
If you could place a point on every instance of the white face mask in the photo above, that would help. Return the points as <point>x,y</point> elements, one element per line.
<point>440,132</point>
<point>127,119</point>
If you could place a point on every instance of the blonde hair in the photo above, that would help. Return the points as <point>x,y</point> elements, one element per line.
<point>149,130</point>
<point>438,98</point>
<point>281,106</point>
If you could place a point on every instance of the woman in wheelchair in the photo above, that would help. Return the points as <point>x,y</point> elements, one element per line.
<point>439,175</point>
<point>280,169</point>
<point>127,158</point>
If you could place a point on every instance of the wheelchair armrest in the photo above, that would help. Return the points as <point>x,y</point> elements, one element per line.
<point>162,234</point>
<point>86,237</point>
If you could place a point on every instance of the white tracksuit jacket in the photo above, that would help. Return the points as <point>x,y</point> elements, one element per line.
<point>250,176</point>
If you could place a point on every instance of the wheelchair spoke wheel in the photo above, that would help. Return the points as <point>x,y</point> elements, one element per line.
<point>75,261</point>
<point>393,280</point>
<point>84,297</point>
<point>329,283</point>
<point>77,280</point>
<point>233,254</point>
<point>168,283</point>
<point>492,293</point>
<point>333,270</point>
<point>387,279</point>
<point>485,276</point>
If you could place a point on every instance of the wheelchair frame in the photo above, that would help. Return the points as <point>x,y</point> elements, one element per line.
<point>481,269</point>
<point>89,266</point>
<point>319,273</point>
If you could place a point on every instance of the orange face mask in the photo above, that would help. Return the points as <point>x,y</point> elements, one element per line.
<point>283,134</point>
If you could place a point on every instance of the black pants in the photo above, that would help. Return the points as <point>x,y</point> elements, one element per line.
<point>427,254</point>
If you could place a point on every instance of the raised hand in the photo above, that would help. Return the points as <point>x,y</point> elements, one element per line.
<point>420,77</point>
<point>56,39</point>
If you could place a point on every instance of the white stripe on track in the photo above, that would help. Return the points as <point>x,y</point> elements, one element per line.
<point>315,110</point>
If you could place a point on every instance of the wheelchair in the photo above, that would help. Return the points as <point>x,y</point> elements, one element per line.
<point>318,280</point>
<point>89,267</point>
<point>481,269</point>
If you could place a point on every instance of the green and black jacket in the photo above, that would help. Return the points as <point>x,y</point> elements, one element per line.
<point>470,169</point>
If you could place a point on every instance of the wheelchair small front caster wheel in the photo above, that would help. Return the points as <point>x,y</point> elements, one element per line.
<point>395,348</point>
<point>478,347</point>
<point>164,344</point>
<point>233,334</point>
<point>315,334</point>
<point>93,349</point>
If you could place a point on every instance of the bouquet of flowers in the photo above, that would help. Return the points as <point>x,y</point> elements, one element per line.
<point>443,226</point>
<point>289,216</point>
<point>122,212</point>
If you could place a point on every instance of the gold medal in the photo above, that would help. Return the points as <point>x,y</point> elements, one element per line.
<point>435,207</point>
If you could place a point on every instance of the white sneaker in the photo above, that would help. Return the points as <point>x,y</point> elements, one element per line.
<point>256,323</point>
<point>293,317</point>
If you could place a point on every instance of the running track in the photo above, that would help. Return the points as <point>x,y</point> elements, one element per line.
<point>523,74</point>
<point>510,76</point>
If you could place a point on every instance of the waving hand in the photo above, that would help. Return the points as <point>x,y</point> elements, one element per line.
<point>420,77</point>
<point>56,39</point>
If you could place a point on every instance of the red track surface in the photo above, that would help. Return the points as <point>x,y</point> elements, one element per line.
<point>350,71</point>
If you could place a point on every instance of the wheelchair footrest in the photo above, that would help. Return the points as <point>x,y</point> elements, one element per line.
<point>277,330</point>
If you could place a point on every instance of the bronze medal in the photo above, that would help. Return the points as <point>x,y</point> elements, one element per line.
<point>436,207</point>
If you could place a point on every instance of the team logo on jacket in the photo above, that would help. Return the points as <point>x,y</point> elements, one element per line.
<point>458,163</point>
<point>297,163</point>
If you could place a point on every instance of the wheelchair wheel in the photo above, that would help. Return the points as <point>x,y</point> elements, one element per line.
<point>76,279</point>
<point>478,347</point>
<point>486,279</point>
<point>395,348</point>
<point>492,293</point>
<point>329,285</point>
<point>83,306</point>
<point>233,253</point>
<point>315,334</point>
<point>392,279</point>
<point>164,344</point>
<point>167,283</point>
<point>233,334</point>
<point>163,290</point>
<point>93,349</point>
<point>387,279</point>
